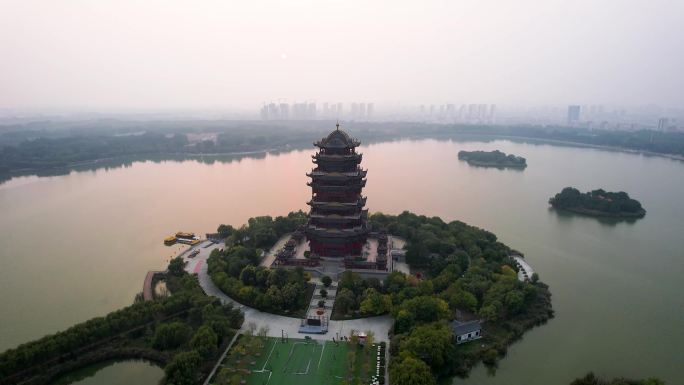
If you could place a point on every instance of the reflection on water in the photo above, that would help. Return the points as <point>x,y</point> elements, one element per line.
<point>79,245</point>
<point>127,161</point>
<point>568,216</point>
<point>126,372</point>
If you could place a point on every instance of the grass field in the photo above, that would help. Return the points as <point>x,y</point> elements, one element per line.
<point>270,361</point>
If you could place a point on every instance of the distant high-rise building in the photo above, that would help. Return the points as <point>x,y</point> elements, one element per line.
<point>299,111</point>
<point>663,124</point>
<point>370,110</point>
<point>339,110</point>
<point>273,113</point>
<point>284,111</point>
<point>311,111</point>
<point>472,111</point>
<point>573,114</point>
<point>492,113</point>
<point>462,112</point>
<point>362,111</point>
<point>482,112</point>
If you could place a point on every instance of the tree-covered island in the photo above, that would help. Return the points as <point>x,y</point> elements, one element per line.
<point>494,158</point>
<point>458,272</point>
<point>591,379</point>
<point>598,203</point>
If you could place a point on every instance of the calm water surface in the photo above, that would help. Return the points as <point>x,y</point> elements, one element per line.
<point>127,372</point>
<point>77,246</point>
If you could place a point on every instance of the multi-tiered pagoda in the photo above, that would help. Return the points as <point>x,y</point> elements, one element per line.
<point>338,223</point>
<point>337,231</point>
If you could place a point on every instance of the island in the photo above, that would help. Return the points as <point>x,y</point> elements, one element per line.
<point>591,379</point>
<point>494,158</point>
<point>598,203</point>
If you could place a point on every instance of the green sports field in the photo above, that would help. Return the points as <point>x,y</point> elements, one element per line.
<point>271,361</point>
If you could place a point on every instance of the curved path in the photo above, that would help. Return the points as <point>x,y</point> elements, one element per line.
<point>276,324</point>
<point>148,290</point>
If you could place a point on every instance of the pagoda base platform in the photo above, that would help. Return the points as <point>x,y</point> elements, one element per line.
<point>365,264</point>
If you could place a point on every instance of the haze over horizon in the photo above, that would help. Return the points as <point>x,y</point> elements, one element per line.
<point>213,54</point>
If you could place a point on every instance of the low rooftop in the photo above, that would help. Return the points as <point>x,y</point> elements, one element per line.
<point>461,328</point>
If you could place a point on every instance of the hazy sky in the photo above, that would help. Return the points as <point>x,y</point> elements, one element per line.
<point>214,54</point>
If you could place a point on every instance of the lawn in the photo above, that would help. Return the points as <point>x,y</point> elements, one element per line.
<point>272,361</point>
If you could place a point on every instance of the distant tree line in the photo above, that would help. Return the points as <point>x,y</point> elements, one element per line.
<point>43,146</point>
<point>591,379</point>
<point>642,140</point>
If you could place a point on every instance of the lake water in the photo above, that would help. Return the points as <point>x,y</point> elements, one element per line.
<point>127,372</point>
<point>77,246</point>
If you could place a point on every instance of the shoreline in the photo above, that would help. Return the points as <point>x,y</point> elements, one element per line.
<point>601,214</point>
<point>588,145</point>
<point>65,169</point>
<point>493,165</point>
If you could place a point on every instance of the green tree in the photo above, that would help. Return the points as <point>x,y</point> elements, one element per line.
<point>404,321</point>
<point>177,266</point>
<point>345,301</point>
<point>410,371</point>
<point>327,281</point>
<point>204,341</point>
<point>514,301</point>
<point>426,309</point>
<point>507,270</point>
<point>225,230</point>
<point>489,312</point>
<point>248,275</point>
<point>375,303</point>
<point>182,370</point>
<point>433,343</point>
<point>534,278</point>
<point>463,300</point>
<point>171,335</point>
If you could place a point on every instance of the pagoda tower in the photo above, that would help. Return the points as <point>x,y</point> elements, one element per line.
<point>338,222</point>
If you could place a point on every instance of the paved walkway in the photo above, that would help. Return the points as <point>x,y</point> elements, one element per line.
<point>269,258</point>
<point>524,269</point>
<point>277,324</point>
